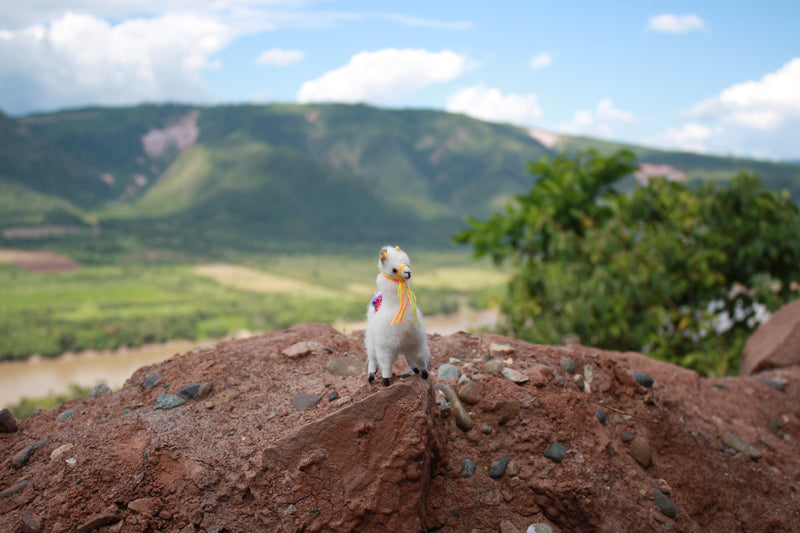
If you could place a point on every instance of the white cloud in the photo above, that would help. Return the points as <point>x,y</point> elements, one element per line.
<point>383,76</point>
<point>669,23</point>
<point>763,105</point>
<point>80,59</point>
<point>280,58</point>
<point>492,105</point>
<point>692,137</point>
<point>541,60</point>
<point>599,122</point>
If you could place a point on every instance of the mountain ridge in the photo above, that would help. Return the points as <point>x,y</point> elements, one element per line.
<point>235,176</point>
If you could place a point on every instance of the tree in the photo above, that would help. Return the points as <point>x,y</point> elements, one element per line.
<point>675,273</point>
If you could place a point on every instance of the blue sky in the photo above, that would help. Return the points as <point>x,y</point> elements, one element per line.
<point>718,77</point>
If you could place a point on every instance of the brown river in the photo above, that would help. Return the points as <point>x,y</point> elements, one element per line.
<point>38,376</point>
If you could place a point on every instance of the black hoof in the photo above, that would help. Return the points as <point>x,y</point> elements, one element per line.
<point>385,382</point>
<point>416,370</point>
<point>424,374</point>
<point>371,378</point>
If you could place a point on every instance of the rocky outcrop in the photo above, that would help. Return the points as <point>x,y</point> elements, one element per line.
<point>366,467</point>
<point>559,439</point>
<point>775,344</point>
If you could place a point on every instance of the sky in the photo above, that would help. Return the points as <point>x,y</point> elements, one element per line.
<point>718,77</point>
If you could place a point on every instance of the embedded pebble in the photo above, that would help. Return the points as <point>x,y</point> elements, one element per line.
<point>470,393</point>
<point>25,455</point>
<point>493,367</point>
<point>498,467</point>
<point>101,389</point>
<point>500,349</point>
<point>302,349</point>
<point>515,376</point>
<point>30,522</point>
<point>151,381</point>
<point>732,441</point>
<point>305,400</point>
<point>14,489</point>
<point>195,391</point>
<point>539,528</point>
<point>628,436</point>
<point>588,373</point>
<point>601,416</point>
<point>66,415</point>
<point>168,401</point>
<point>58,452</point>
<point>643,379</point>
<point>8,424</point>
<point>641,452</point>
<point>333,396</point>
<point>487,430</point>
<point>463,420</point>
<point>467,468</point>
<point>568,365</point>
<point>446,372</point>
<point>664,504</point>
<point>772,383</point>
<point>555,452</point>
<point>348,366</point>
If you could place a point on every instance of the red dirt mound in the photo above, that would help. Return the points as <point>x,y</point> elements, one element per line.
<point>264,436</point>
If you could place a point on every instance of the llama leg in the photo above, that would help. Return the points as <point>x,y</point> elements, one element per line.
<point>385,362</point>
<point>372,366</point>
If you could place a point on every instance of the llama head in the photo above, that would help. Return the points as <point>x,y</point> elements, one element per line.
<point>393,262</point>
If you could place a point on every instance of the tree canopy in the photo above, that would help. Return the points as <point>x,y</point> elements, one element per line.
<point>676,273</point>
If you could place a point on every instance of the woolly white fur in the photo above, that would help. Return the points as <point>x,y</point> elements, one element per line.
<point>386,342</point>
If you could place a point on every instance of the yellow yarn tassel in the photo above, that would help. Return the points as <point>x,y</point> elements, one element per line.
<point>405,295</point>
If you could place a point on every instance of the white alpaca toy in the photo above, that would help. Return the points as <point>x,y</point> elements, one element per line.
<point>394,322</point>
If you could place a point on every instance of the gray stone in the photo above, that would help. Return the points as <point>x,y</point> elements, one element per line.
<point>732,441</point>
<point>8,424</point>
<point>14,489</point>
<point>25,455</point>
<point>568,365</point>
<point>30,522</point>
<point>446,372</point>
<point>168,401</point>
<point>66,415</point>
<point>601,416</point>
<point>467,468</point>
<point>664,504</point>
<point>151,381</point>
<point>498,467</point>
<point>777,385</point>
<point>493,367</point>
<point>643,379</point>
<point>555,452</point>
<point>302,349</point>
<point>195,391</point>
<point>101,389</point>
<point>304,400</point>
<point>348,366</point>
<point>333,396</point>
<point>540,528</point>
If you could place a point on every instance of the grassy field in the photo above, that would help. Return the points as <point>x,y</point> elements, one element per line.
<point>108,306</point>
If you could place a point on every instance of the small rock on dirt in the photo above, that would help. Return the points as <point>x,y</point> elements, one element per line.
<point>8,424</point>
<point>446,372</point>
<point>302,348</point>
<point>470,393</point>
<point>644,379</point>
<point>467,468</point>
<point>99,390</point>
<point>347,366</point>
<point>540,528</point>
<point>567,365</point>
<point>305,400</point>
<point>168,401</point>
<point>664,504</point>
<point>641,452</point>
<point>732,441</point>
<point>66,415</point>
<point>195,391</point>
<point>555,452</point>
<point>498,467</point>
<point>493,367</point>
<point>25,455</point>
<point>516,376</point>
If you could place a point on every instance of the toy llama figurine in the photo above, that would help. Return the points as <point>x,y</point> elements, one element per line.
<point>394,322</point>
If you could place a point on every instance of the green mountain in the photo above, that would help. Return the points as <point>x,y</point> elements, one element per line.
<point>246,177</point>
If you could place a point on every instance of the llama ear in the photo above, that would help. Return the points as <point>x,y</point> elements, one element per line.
<point>398,249</point>
<point>383,254</point>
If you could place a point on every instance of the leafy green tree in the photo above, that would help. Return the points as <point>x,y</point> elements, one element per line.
<point>665,270</point>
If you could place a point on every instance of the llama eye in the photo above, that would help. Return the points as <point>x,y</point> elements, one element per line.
<point>394,271</point>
